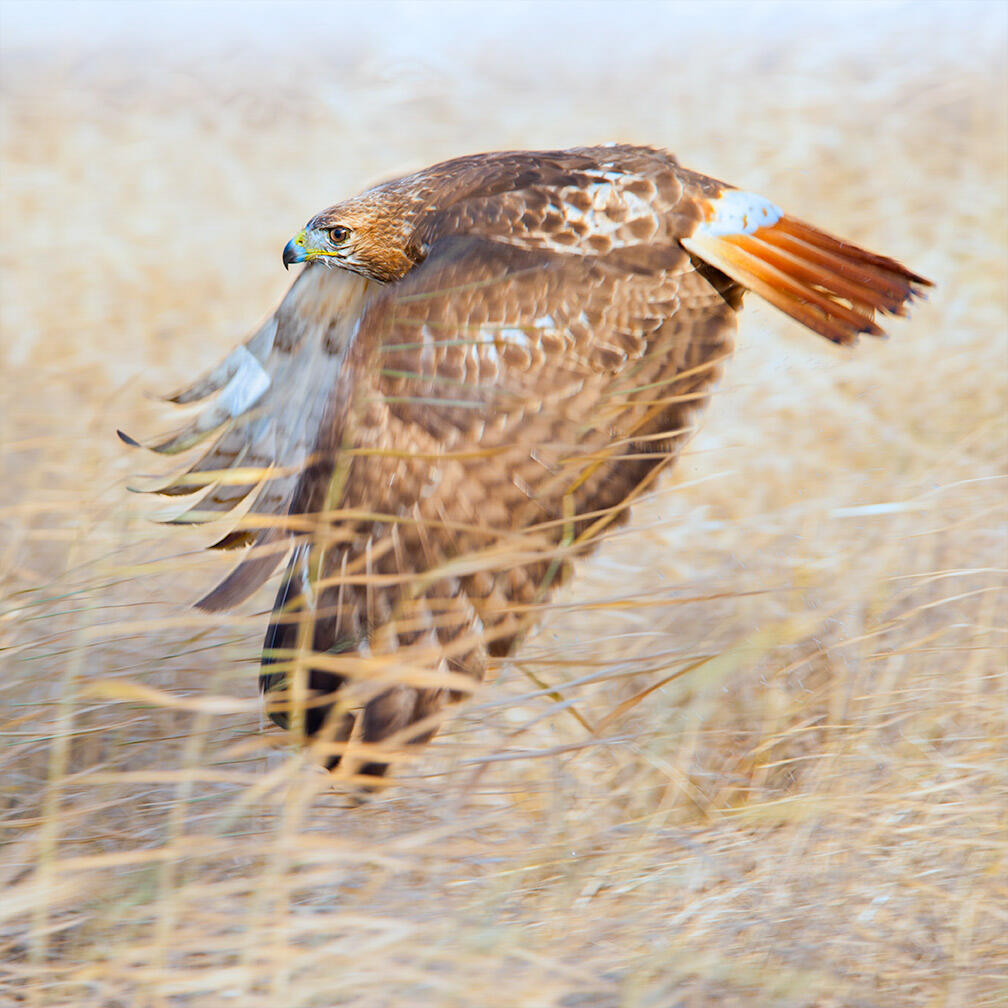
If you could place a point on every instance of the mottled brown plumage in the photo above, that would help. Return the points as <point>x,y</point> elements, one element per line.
<point>480,368</point>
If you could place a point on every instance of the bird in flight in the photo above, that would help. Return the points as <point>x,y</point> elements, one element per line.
<point>478,370</point>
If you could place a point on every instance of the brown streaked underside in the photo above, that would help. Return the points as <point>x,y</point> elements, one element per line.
<point>516,346</point>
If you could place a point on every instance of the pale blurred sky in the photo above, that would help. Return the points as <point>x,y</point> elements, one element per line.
<point>428,32</point>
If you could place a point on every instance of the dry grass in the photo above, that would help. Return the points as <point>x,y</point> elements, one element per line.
<point>813,815</point>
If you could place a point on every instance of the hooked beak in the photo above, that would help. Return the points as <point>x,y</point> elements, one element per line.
<point>294,250</point>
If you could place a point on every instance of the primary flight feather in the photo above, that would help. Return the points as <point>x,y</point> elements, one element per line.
<point>478,370</point>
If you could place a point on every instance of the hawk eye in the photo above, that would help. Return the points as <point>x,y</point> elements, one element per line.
<point>339,234</point>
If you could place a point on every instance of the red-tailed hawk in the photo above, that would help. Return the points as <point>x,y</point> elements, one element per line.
<point>479,369</point>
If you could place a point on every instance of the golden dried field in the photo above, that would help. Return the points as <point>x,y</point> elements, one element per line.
<point>756,752</point>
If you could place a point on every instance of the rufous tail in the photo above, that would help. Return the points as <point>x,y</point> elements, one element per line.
<point>832,287</point>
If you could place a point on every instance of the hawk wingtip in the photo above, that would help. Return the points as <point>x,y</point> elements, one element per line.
<point>126,439</point>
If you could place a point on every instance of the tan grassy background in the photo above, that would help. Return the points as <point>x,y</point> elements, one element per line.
<point>814,815</point>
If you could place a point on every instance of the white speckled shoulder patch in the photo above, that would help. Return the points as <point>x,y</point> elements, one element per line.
<point>739,212</point>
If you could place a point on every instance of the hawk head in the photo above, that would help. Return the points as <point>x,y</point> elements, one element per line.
<point>366,235</point>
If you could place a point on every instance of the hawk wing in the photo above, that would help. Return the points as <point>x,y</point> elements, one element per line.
<point>547,386</point>
<point>510,404</point>
<point>261,410</point>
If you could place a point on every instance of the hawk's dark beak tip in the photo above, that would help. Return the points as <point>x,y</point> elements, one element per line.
<point>292,254</point>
